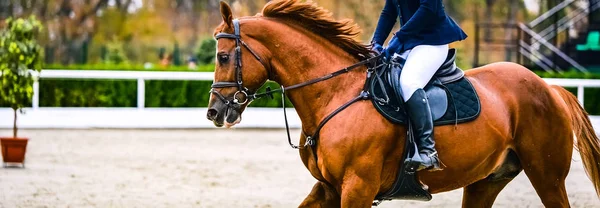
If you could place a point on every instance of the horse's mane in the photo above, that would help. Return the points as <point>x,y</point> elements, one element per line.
<point>320,21</point>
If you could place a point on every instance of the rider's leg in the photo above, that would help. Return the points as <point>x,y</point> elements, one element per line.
<point>421,64</point>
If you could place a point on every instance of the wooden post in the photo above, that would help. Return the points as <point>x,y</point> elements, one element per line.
<point>518,44</point>
<point>476,53</point>
<point>554,58</point>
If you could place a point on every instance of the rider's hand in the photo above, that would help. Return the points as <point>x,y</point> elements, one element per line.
<point>393,47</point>
<point>377,48</point>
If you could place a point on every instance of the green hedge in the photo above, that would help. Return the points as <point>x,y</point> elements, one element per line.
<point>118,93</point>
<point>569,75</point>
<point>591,99</point>
<point>130,67</point>
<point>87,93</point>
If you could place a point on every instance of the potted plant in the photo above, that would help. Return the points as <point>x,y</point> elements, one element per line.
<point>19,55</point>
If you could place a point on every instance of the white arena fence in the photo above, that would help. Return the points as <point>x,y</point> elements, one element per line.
<point>142,117</point>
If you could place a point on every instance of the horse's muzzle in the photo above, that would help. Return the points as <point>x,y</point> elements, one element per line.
<point>221,114</point>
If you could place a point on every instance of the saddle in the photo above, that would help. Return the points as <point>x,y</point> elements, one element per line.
<point>452,100</point>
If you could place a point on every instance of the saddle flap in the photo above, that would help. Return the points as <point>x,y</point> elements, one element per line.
<point>438,99</point>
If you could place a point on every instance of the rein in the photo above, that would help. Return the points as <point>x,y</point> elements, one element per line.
<point>364,94</point>
<point>248,97</point>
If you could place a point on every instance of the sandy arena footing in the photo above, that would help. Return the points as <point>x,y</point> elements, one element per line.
<point>196,168</point>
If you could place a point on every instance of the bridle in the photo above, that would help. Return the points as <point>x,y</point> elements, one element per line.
<point>311,139</point>
<point>248,96</point>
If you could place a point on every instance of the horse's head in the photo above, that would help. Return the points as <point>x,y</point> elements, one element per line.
<point>239,72</point>
<point>281,43</point>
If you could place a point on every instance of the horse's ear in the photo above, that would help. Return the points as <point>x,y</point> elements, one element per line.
<point>226,13</point>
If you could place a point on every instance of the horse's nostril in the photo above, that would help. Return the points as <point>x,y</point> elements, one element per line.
<point>211,114</point>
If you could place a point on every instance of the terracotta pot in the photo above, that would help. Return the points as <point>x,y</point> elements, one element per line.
<point>13,149</point>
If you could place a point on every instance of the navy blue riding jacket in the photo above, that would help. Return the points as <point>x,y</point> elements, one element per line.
<point>423,22</point>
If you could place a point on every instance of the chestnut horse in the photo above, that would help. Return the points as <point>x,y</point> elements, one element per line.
<point>524,124</point>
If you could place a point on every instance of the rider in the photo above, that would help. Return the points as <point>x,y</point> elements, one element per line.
<point>426,30</point>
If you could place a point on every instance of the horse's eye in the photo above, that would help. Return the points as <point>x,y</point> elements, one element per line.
<point>223,58</point>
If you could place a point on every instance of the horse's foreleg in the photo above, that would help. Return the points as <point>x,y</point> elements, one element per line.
<point>322,195</point>
<point>358,192</point>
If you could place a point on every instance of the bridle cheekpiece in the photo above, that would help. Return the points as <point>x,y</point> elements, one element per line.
<point>243,95</point>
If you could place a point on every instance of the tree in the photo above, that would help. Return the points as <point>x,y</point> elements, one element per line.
<point>489,13</point>
<point>176,55</point>
<point>5,9</point>
<point>510,19</point>
<point>73,26</point>
<point>115,53</point>
<point>19,53</point>
<point>207,51</point>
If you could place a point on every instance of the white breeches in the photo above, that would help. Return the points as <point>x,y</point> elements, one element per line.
<point>421,64</point>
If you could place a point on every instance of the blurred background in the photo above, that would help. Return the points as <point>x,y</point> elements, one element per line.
<point>135,32</point>
<point>116,117</point>
<point>176,35</point>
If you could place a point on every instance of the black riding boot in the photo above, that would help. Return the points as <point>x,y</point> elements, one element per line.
<point>422,123</point>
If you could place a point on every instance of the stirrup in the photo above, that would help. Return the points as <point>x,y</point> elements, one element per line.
<point>434,162</point>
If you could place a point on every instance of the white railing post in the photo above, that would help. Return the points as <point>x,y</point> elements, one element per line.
<point>141,93</point>
<point>580,94</point>
<point>35,101</point>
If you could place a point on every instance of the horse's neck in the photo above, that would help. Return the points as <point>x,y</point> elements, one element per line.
<point>298,57</point>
